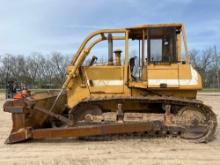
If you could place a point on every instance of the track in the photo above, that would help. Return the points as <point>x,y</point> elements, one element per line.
<point>177,128</point>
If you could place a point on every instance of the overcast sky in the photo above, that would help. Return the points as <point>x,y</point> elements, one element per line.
<point>45,26</point>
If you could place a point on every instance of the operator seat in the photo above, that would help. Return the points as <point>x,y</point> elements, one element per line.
<point>132,64</point>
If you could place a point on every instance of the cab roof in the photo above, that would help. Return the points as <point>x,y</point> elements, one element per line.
<point>145,26</point>
<point>156,30</point>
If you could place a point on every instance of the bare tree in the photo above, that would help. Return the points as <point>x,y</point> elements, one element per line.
<point>202,61</point>
<point>216,67</point>
<point>33,67</point>
<point>59,63</point>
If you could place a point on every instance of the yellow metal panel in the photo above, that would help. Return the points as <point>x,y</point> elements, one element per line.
<point>106,89</point>
<point>138,84</point>
<point>104,72</point>
<point>163,74</point>
<point>105,79</point>
<point>185,71</point>
<point>76,93</point>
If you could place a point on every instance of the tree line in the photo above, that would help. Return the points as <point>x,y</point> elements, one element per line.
<point>35,70</point>
<point>48,71</point>
<point>207,62</point>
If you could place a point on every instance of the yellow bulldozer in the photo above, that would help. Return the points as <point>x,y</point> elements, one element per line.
<point>135,80</point>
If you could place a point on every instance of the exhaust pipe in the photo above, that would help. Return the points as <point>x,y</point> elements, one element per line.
<point>110,49</point>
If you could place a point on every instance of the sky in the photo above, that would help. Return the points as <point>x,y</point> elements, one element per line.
<point>45,26</point>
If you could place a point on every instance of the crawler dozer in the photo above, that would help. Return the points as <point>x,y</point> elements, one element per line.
<point>135,80</point>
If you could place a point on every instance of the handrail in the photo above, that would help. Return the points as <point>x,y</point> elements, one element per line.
<point>84,52</point>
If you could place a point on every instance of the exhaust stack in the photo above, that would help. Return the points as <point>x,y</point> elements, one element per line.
<point>110,49</point>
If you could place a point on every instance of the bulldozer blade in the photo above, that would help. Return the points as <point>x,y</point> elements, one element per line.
<point>32,113</point>
<point>22,135</point>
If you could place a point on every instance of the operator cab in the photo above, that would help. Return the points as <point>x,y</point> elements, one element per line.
<point>153,46</point>
<point>147,56</point>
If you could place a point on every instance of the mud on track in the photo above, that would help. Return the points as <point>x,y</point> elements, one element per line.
<point>121,151</point>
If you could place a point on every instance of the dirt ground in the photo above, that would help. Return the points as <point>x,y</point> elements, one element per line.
<point>122,151</point>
